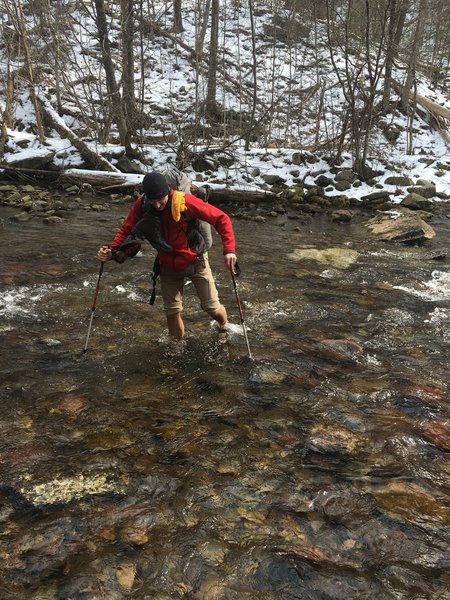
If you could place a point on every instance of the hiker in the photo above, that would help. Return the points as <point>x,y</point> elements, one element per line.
<point>170,220</point>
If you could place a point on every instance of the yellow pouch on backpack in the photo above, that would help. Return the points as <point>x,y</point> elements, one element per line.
<point>178,205</point>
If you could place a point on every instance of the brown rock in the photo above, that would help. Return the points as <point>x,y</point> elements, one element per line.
<point>400,227</point>
<point>411,502</point>
<point>437,433</point>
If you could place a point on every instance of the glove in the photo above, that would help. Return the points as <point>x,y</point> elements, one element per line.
<point>119,256</point>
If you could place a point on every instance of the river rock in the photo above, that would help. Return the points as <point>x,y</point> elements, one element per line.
<point>134,534</point>
<point>399,181</point>
<point>39,160</point>
<point>72,405</point>
<point>334,439</point>
<point>343,185</point>
<point>323,181</point>
<point>411,502</point>
<point>341,216</point>
<point>339,350</point>
<point>341,258</point>
<point>437,433</point>
<point>375,198</point>
<point>267,375</point>
<point>62,490</point>
<point>397,226</point>
<point>424,188</point>
<point>345,505</point>
<point>21,217</point>
<point>346,175</point>
<point>126,574</point>
<point>273,179</point>
<point>416,202</point>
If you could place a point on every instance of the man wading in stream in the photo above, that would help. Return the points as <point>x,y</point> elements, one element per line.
<point>169,220</point>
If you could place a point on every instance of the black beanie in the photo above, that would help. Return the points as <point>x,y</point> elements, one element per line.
<point>155,186</point>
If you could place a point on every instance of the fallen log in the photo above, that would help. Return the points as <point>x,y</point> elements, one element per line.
<point>102,182</point>
<point>116,182</point>
<point>90,157</point>
<point>244,196</point>
<point>111,183</point>
<point>215,195</point>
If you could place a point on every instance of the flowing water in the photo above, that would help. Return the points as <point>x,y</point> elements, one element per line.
<point>318,469</point>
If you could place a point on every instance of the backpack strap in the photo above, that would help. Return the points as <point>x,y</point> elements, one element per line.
<point>155,274</point>
<point>144,204</point>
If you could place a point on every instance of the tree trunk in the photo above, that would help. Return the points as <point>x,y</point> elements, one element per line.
<point>397,16</point>
<point>111,84</point>
<point>211,105</point>
<point>127,27</point>
<point>200,37</point>
<point>7,112</point>
<point>414,54</point>
<point>16,15</point>
<point>254,74</point>
<point>177,17</point>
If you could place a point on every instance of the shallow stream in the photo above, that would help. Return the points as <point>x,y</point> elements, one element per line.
<point>319,469</point>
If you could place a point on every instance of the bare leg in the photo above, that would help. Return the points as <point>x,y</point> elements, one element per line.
<point>221,317</point>
<point>175,325</point>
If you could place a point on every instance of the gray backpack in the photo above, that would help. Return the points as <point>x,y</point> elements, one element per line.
<point>178,180</point>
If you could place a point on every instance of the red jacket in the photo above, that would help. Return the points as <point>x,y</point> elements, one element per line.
<point>175,232</point>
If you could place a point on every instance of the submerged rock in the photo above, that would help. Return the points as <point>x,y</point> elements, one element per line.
<point>65,489</point>
<point>437,433</point>
<point>411,502</point>
<point>330,438</point>
<point>341,258</point>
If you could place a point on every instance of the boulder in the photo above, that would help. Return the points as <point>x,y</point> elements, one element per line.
<point>424,188</point>
<point>42,160</point>
<point>346,175</point>
<point>396,226</point>
<point>398,180</point>
<point>273,179</point>
<point>342,185</point>
<point>341,216</point>
<point>376,197</point>
<point>414,201</point>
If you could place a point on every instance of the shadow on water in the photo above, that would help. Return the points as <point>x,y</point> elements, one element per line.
<point>142,469</point>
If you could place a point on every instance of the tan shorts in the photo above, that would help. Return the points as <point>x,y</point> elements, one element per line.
<point>172,288</point>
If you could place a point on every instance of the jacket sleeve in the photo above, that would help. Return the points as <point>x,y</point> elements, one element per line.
<point>214,216</point>
<point>133,217</point>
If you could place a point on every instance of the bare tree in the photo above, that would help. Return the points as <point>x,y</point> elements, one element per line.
<point>127,32</point>
<point>111,84</point>
<point>413,52</point>
<point>211,103</point>
<point>254,76</point>
<point>177,17</point>
<point>202,16</point>
<point>397,10</point>
<point>15,13</point>
<point>363,66</point>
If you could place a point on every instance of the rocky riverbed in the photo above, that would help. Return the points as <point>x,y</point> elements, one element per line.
<point>318,469</point>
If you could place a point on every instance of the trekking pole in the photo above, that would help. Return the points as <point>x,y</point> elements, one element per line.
<point>238,301</point>
<point>94,304</point>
